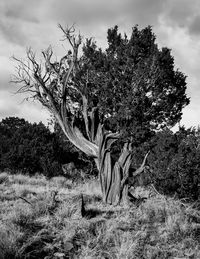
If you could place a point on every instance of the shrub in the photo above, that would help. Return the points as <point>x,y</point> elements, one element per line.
<point>29,148</point>
<point>175,163</point>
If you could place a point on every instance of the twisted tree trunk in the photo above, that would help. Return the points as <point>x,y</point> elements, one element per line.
<point>113,175</point>
<point>97,143</point>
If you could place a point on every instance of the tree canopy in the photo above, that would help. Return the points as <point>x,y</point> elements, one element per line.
<point>133,82</point>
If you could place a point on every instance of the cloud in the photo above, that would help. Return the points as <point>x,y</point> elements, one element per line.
<point>194,27</point>
<point>179,12</point>
<point>7,108</point>
<point>95,17</point>
<point>14,105</point>
<point>191,116</point>
<point>21,19</point>
<point>33,112</point>
<point>11,32</point>
<point>143,12</point>
<point>92,16</point>
<point>4,84</point>
<point>20,9</point>
<point>183,14</point>
<point>26,19</point>
<point>7,111</point>
<point>14,19</point>
<point>103,11</point>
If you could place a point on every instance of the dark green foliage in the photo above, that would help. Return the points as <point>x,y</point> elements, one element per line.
<point>185,167</point>
<point>175,162</point>
<point>133,82</point>
<point>29,148</point>
<point>32,148</point>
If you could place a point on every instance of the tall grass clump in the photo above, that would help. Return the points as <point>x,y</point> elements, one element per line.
<point>9,236</point>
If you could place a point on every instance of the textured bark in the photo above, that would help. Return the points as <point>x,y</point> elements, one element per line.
<point>77,138</point>
<point>111,173</point>
<point>114,174</point>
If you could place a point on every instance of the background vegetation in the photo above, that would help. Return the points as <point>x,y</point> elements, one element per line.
<point>32,148</point>
<point>174,159</point>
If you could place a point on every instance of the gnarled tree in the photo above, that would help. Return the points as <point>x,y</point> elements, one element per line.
<point>98,97</point>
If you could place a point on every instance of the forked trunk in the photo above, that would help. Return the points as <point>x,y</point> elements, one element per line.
<point>113,175</point>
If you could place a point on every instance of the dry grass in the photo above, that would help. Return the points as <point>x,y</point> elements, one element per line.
<point>33,226</point>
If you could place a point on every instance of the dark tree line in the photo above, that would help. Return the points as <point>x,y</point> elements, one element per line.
<point>174,159</point>
<point>174,162</point>
<point>33,148</point>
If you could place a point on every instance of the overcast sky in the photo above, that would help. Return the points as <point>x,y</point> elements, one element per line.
<point>25,23</point>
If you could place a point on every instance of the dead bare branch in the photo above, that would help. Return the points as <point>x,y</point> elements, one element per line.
<point>26,200</point>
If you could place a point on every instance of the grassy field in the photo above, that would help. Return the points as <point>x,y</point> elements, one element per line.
<point>41,218</point>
